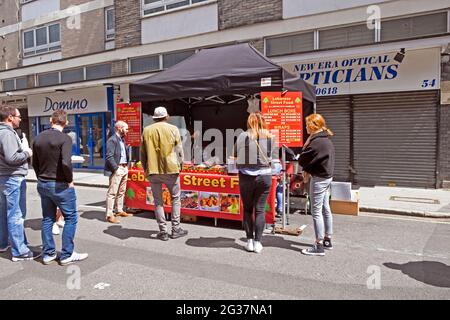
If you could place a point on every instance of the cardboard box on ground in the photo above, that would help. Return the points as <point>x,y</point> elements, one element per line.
<point>344,200</point>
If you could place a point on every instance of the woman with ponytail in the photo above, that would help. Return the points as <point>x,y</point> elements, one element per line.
<point>317,160</point>
<point>255,151</point>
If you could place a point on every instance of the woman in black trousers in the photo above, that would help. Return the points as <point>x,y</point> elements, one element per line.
<point>255,150</point>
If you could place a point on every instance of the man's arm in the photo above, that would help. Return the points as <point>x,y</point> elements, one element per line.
<point>14,155</point>
<point>110,161</point>
<point>66,155</point>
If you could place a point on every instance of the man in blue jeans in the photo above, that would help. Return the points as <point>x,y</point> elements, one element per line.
<point>14,154</point>
<point>52,162</point>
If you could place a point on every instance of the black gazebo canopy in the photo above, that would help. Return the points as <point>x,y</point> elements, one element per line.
<point>224,71</point>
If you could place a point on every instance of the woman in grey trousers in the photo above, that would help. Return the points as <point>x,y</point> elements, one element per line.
<point>317,160</point>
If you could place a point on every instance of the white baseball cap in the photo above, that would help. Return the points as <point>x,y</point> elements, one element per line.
<point>160,112</point>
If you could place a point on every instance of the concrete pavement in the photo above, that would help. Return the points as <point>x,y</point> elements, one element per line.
<point>432,203</point>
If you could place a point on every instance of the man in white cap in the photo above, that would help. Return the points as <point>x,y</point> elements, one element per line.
<point>162,156</point>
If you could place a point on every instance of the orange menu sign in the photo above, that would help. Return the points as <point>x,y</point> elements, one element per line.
<point>131,114</point>
<point>283,114</point>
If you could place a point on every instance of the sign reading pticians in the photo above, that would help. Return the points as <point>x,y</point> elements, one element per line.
<point>131,114</point>
<point>283,114</point>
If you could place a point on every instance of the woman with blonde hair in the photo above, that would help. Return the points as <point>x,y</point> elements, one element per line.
<point>317,160</point>
<point>255,151</point>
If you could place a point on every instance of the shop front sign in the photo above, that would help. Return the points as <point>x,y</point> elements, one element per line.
<point>410,70</point>
<point>73,102</point>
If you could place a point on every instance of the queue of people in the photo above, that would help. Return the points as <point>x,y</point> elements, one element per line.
<point>255,153</point>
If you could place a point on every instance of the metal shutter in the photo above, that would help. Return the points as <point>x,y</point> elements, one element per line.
<point>336,111</point>
<point>395,139</point>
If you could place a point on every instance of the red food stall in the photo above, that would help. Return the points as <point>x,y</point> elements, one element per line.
<point>211,86</point>
<point>202,194</point>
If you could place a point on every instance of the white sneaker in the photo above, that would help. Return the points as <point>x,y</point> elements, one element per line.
<point>258,246</point>
<point>55,229</point>
<point>74,258</point>
<point>249,246</point>
<point>60,223</point>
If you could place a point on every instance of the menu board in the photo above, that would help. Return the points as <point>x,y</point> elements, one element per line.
<point>131,114</point>
<point>283,115</point>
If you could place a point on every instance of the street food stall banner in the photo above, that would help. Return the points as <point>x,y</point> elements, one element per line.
<point>403,70</point>
<point>131,114</point>
<point>283,114</point>
<point>208,195</point>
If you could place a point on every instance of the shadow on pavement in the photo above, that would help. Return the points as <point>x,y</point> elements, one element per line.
<point>126,233</point>
<point>33,224</point>
<point>96,204</point>
<point>221,242</point>
<point>434,273</point>
<point>94,215</point>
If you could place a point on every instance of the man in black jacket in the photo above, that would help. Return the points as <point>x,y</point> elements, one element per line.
<point>52,151</point>
<point>116,167</point>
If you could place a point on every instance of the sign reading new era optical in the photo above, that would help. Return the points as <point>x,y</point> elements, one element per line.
<point>74,101</point>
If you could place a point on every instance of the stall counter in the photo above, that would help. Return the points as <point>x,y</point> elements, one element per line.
<point>202,194</point>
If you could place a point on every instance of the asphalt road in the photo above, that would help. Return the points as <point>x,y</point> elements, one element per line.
<point>375,257</point>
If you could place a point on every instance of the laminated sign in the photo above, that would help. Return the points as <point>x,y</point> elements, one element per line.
<point>283,115</point>
<point>131,114</point>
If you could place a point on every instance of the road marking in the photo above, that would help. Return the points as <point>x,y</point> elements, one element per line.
<point>418,219</point>
<point>413,253</point>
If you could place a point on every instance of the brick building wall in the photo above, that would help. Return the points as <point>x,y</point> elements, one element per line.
<point>128,23</point>
<point>119,68</point>
<point>235,13</point>
<point>89,38</point>
<point>9,46</point>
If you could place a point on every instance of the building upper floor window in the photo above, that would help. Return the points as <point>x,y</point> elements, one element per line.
<point>289,44</point>
<point>14,84</point>
<point>41,40</point>
<point>109,24</point>
<point>346,37</point>
<point>154,6</point>
<point>412,27</point>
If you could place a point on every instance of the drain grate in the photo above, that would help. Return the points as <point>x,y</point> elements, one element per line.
<point>413,199</point>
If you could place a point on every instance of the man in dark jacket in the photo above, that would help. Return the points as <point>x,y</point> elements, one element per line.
<point>116,167</point>
<point>52,162</point>
<point>14,154</point>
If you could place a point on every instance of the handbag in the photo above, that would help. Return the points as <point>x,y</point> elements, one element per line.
<point>275,164</point>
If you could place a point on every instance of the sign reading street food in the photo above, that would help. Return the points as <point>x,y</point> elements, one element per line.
<point>207,195</point>
<point>283,115</point>
<point>131,114</point>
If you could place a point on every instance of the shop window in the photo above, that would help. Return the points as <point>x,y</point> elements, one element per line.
<point>154,6</point>
<point>48,79</point>
<point>290,44</point>
<point>72,75</point>
<point>346,37</point>
<point>413,27</point>
<point>171,59</point>
<point>143,64</point>
<point>109,24</point>
<point>41,40</point>
<point>99,71</point>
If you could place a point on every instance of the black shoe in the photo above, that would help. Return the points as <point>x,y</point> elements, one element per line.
<point>30,255</point>
<point>164,236</point>
<point>178,233</point>
<point>327,244</point>
<point>315,250</point>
